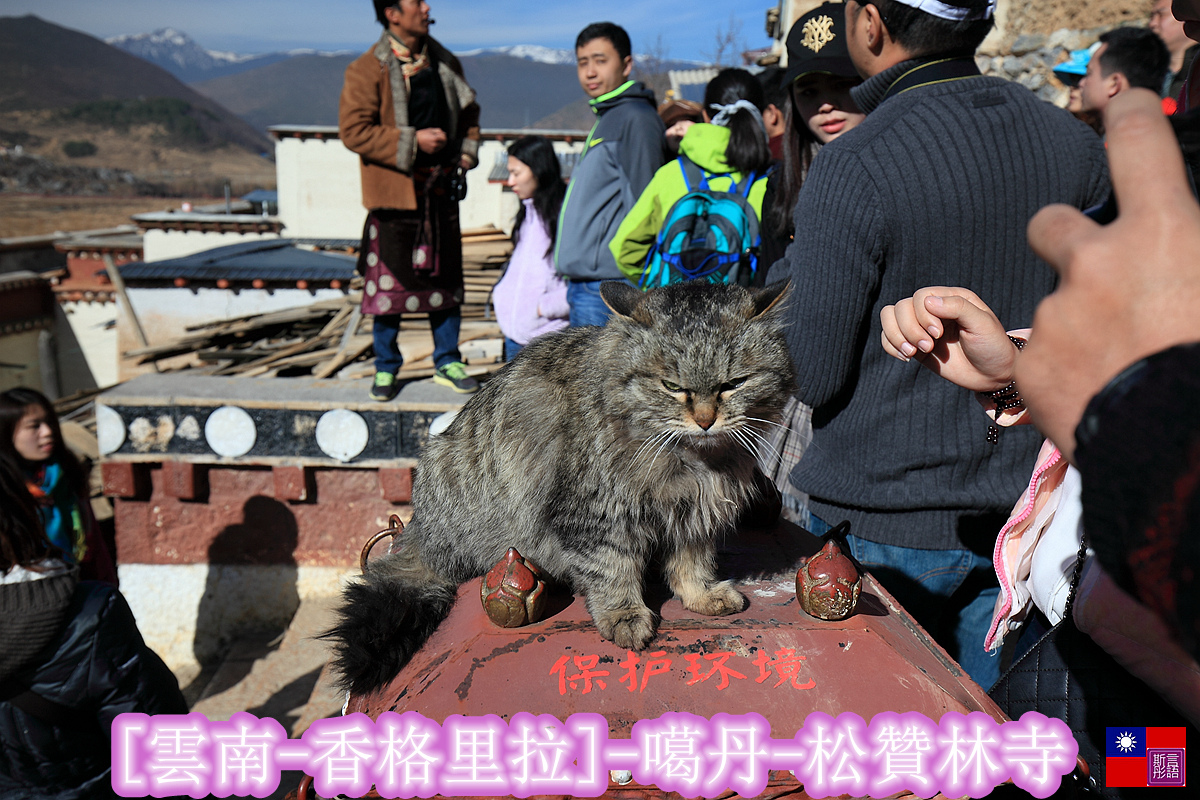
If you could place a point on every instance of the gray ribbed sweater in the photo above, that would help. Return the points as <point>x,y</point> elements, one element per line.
<point>935,187</point>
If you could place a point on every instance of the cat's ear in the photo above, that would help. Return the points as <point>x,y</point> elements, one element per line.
<point>771,299</point>
<point>622,299</point>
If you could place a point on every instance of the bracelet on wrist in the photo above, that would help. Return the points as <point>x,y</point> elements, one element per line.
<point>1004,399</point>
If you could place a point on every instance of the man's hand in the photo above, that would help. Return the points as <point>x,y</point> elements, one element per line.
<point>1129,289</point>
<point>953,333</point>
<point>430,140</point>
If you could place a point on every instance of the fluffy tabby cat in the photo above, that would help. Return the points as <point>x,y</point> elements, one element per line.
<point>595,450</point>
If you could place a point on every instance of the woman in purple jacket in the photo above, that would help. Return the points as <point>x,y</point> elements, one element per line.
<point>531,299</point>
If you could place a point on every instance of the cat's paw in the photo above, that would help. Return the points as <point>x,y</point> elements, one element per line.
<point>720,599</point>
<point>628,628</point>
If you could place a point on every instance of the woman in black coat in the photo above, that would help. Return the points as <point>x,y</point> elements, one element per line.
<point>71,660</point>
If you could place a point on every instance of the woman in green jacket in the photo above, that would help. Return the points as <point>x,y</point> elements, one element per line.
<point>729,145</point>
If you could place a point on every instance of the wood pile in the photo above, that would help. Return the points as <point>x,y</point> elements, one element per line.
<point>330,337</point>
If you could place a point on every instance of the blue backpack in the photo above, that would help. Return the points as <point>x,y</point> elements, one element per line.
<point>708,234</point>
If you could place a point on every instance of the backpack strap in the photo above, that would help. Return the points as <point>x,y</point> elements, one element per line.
<point>693,177</point>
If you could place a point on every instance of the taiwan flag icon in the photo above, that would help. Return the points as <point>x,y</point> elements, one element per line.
<point>1145,757</point>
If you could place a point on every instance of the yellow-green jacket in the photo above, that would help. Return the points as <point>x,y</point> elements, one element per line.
<point>705,145</point>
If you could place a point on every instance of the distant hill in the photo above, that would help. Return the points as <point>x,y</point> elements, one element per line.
<point>302,90</point>
<point>513,92</point>
<point>44,66</point>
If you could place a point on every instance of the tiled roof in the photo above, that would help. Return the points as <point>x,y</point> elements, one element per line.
<point>267,260</point>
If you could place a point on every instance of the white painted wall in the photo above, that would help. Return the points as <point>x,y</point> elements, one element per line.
<point>94,340</point>
<point>320,189</point>
<point>159,245</point>
<point>188,613</point>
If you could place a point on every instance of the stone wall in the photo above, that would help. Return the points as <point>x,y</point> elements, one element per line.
<point>1032,36</point>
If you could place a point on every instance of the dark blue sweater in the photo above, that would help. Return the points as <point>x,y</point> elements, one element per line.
<point>935,187</point>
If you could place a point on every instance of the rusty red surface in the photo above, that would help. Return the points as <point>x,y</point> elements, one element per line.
<point>179,479</point>
<point>240,520</point>
<point>291,483</point>
<point>771,659</point>
<point>395,485</point>
<point>119,479</point>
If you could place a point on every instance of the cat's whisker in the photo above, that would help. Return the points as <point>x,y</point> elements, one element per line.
<point>767,421</point>
<point>650,441</point>
<point>765,444</point>
<point>674,434</point>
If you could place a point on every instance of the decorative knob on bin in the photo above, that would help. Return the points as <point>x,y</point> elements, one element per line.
<point>513,592</point>
<point>828,583</point>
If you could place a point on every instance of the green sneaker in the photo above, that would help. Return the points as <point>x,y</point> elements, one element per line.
<point>455,376</point>
<point>385,387</point>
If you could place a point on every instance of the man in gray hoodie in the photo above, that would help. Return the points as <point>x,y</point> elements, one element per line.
<point>622,153</point>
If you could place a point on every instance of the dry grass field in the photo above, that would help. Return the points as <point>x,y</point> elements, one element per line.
<point>31,215</point>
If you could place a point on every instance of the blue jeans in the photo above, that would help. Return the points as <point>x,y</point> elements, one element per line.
<point>587,307</point>
<point>445,326</point>
<point>951,593</point>
<point>511,348</point>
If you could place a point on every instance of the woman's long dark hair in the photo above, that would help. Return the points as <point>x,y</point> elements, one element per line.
<point>800,147</point>
<point>23,540</point>
<point>747,150</point>
<point>537,153</point>
<point>14,404</point>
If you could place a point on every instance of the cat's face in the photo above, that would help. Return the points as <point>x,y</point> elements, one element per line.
<point>700,365</point>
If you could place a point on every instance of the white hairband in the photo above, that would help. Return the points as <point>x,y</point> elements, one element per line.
<point>954,13</point>
<point>724,113</point>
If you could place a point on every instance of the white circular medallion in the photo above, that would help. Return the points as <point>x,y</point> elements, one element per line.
<point>371,289</point>
<point>372,259</point>
<point>435,299</point>
<point>383,303</point>
<point>420,256</point>
<point>230,432</point>
<point>110,430</point>
<point>342,434</point>
<point>387,282</point>
<point>373,232</point>
<point>412,304</point>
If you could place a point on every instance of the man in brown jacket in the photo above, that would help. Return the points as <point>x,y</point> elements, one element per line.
<point>410,115</point>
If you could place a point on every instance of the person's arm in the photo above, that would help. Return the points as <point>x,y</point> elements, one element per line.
<point>634,238</point>
<point>360,128</point>
<point>953,333</point>
<point>126,676</point>
<point>834,266</point>
<point>1127,289</point>
<point>468,123</point>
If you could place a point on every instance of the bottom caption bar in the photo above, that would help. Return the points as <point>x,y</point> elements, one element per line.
<point>407,755</point>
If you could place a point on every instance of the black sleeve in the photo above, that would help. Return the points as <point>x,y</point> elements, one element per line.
<point>125,674</point>
<point>1138,450</point>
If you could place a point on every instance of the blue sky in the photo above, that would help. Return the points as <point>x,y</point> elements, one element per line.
<point>688,27</point>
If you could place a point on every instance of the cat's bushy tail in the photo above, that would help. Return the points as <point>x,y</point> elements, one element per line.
<point>385,618</point>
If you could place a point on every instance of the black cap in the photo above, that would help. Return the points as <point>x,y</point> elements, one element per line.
<point>817,43</point>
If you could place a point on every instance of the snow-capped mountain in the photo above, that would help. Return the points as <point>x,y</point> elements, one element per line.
<point>183,57</point>
<point>529,52</point>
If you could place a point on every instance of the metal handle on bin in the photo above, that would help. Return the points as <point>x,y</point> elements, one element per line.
<point>396,527</point>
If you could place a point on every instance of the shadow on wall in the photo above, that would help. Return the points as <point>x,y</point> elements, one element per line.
<point>250,590</point>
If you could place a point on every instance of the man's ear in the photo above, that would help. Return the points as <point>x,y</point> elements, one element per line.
<point>876,31</point>
<point>1116,83</point>
<point>628,67</point>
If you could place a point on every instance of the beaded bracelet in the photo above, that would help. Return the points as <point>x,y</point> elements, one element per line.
<point>1006,398</point>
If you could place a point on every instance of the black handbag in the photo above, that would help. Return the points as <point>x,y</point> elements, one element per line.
<point>1068,676</point>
